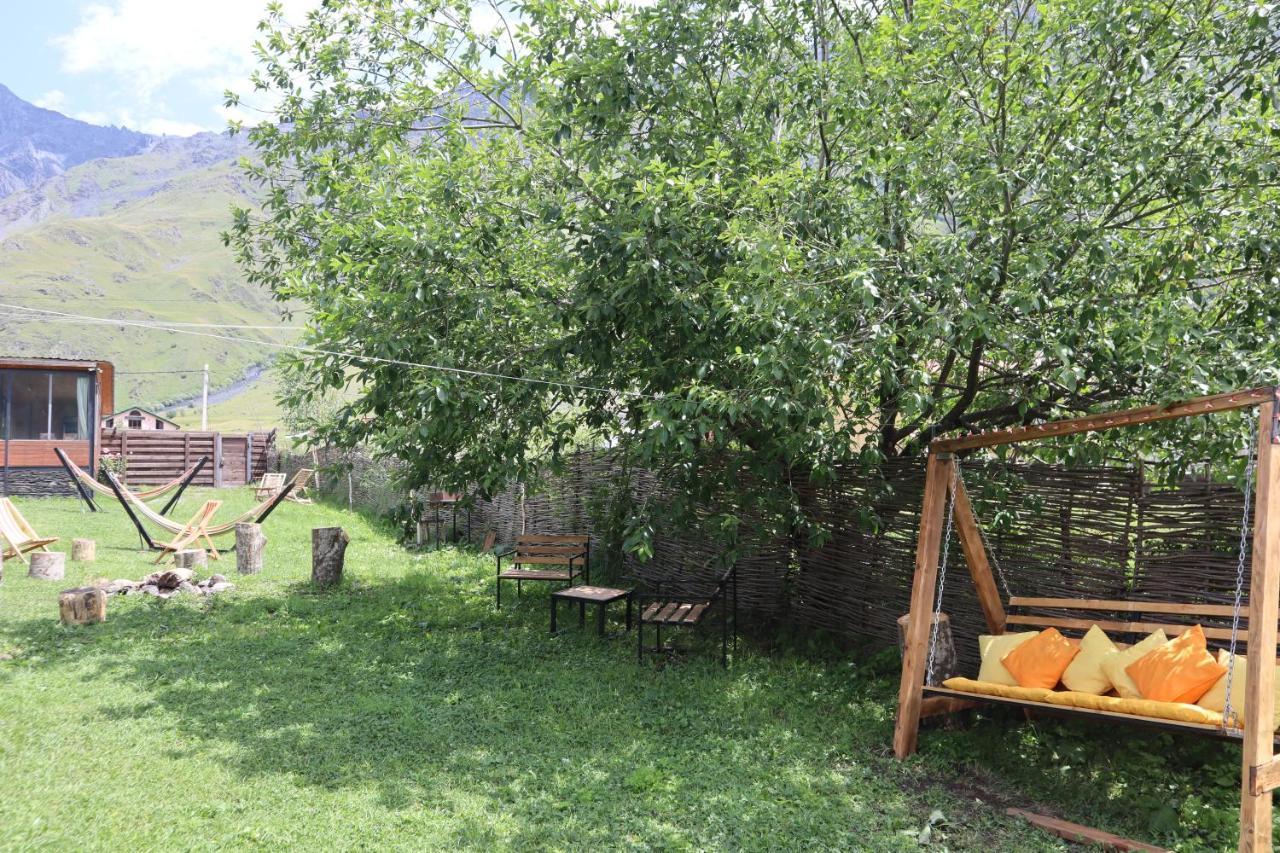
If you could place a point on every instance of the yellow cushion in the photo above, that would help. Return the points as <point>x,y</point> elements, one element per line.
<point>993,648</point>
<point>1084,674</point>
<point>1113,665</point>
<point>1142,707</point>
<point>1039,662</point>
<point>1181,670</point>
<point>1216,698</point>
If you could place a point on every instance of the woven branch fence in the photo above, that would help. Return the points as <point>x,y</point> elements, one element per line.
<point>1110,533</point>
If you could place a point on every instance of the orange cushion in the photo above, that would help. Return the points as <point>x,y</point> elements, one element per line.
<point>1040,661</point>
<point>1181,670</point>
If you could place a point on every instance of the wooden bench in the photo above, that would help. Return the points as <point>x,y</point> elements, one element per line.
<point>686,604</point>
<point>566,557</point>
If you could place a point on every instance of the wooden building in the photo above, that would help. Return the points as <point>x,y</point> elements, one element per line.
<point>45,404</point>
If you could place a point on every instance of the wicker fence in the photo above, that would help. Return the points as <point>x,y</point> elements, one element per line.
<point>1099,533</point>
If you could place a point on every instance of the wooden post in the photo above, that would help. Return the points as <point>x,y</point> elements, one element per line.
<point>975,554</point>
<point>250,543</point>
<point>191,558</point>
<point>82,606</point>
<point>83,551</point>
<point>48,565</point>
<point>124,455</point>
<point>1259,680</point>
<point>248,458</point>
<point>937,480</point>
<point>328,553</point>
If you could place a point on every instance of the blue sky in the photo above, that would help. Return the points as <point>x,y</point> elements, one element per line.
<point>159,66</point>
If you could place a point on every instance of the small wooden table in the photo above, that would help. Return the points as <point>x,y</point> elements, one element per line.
<point>601,596</point>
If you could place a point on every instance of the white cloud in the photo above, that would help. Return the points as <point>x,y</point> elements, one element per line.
<point>145,45</point>
<point>54,99</point>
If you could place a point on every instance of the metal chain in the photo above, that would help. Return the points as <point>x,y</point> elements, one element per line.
<point>1228,713</point>
<point>942,578</point>
<point>986,546</point>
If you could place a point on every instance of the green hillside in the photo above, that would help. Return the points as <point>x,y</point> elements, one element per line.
<point>137,238</point>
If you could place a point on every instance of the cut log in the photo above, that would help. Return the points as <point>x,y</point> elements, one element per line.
<point>191,559</point>
<point>48,565</point>
<point>944,660</point>
<point>328,553</point>
<point>83,551</point>
<point>250,543</point>
<point>83,606</point>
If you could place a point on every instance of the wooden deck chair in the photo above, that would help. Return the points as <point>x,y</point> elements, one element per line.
<point>192,533</point>
<point>268,486</point>
<point>303,478</point>
<point>17,535</point>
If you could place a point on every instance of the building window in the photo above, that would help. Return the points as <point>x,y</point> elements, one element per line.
<point>159,424</point>
<point>135,423</point>
<point>110,423</point>
<point>48,405</point>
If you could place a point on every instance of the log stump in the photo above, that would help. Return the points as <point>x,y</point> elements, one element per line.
<point>944,659</point>
<point>48,565</point>
<point>250,543</point>
<point>191,559</point>
<point>328,553</point>
<point>83,606</point>
<point>83,551</point>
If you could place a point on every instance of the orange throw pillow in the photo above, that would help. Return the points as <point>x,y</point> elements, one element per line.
<point>1040,661</point>
<point>1181,670</point>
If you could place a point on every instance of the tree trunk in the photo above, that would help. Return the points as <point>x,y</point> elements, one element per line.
<point>191,559</point>
<point>944,659</point>
<point>83,551</point>
<point>250,543</point>
<point>82,606</point>
<point>48,565</point>
<point>328,552</point>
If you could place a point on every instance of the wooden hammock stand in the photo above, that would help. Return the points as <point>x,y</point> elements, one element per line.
<point>1260,771</point>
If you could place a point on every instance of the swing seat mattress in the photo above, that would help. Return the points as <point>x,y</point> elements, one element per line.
<point>1175,711</point>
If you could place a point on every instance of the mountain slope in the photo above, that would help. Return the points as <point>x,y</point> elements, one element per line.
<point>136,238</point>
<point>37,144</point>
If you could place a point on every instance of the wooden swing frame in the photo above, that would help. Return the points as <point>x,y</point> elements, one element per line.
<point>1260,770</point>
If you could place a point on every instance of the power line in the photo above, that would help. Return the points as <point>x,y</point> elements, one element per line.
<point>461,371</point>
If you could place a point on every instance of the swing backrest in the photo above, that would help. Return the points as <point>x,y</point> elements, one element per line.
<point>1074,616</point>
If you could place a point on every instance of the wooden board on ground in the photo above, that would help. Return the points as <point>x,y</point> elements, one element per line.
<point>1083,834</point>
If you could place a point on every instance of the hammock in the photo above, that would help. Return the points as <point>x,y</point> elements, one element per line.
<point>132,503</point>
<point>83,479</point>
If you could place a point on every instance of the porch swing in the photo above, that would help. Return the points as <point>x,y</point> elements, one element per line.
<point>947,507</point>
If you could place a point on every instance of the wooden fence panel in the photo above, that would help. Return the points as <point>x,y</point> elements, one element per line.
<point>154,456</point>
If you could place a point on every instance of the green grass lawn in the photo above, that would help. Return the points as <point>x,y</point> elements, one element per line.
<point>401,711</point>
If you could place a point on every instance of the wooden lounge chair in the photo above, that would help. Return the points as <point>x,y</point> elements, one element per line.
<point>301,480</point>
<point>17,535</point>
<point>192,533</point>
<point>268,486</point>
<point>687,604</point>
<point>556,558</point>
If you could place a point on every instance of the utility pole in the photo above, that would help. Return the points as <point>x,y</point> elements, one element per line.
<point>204,402</point>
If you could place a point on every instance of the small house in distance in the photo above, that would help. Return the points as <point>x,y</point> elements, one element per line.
<point>138,418</point>
<point>48,403</point>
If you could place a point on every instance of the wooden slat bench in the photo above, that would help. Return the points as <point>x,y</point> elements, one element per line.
<point>569,554</point>
<point>685,604</point>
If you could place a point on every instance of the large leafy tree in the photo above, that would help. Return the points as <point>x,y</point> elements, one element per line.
<point>739,241</point>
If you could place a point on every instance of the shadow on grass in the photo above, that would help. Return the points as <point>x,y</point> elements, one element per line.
<point>419,688</point>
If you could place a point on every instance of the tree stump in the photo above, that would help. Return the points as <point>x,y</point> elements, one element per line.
<point>250,543</point>
<point>194,558</point>
<point>83,551</point>
<point>328,552</point>
<point>944,659</point>
<point>82,606</point>
<point>48,565</point>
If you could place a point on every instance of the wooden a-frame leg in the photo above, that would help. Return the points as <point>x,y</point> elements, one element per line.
<point>1264,589</point>
<point>938,475</point>
<point>975,554</point>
